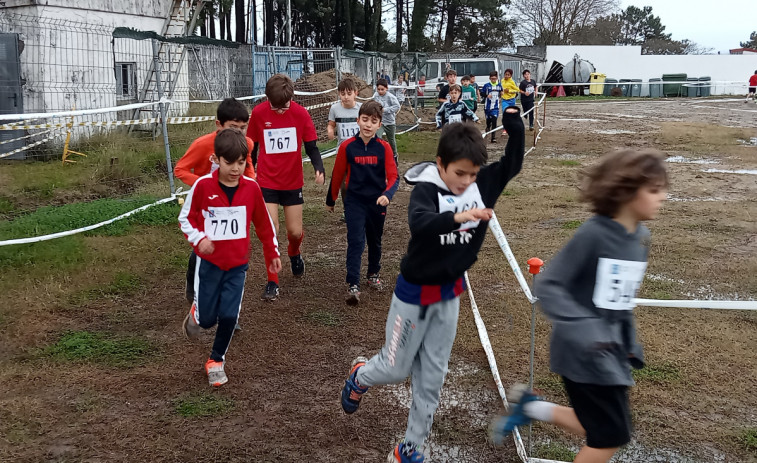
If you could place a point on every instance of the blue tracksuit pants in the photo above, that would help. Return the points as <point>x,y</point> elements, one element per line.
<point>365,223</point>
<point>218,299</point>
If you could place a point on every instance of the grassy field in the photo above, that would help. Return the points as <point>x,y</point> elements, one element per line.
<point>94,367</point>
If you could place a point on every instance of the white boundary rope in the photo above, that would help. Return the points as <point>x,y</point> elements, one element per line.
<point>30,145</point>
<point>36,239</point>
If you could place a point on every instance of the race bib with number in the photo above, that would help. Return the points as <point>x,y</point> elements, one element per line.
<point>225,223</point>
<point>348,129</point>
<point>279,141</point>
<point>617,283</point>
<point>469,199</point>
<point>466,96</point>
<point>455,118</point>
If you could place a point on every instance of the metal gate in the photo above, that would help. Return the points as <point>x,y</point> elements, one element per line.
<point>11,98</point>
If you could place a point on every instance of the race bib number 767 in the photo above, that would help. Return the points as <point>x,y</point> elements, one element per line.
<point>617,283</point>
<point>279,141</point>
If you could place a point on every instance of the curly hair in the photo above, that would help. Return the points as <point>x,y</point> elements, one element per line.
<point>616,178</point>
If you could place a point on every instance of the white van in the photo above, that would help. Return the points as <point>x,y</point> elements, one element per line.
<point>435,69</point>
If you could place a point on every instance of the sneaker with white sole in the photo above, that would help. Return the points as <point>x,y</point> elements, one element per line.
<point>374,282</point>
<point>353,295</point>
<point>352,392</point>
<point>189,326</point>
<point>503,426</point>
<point>405,452</point>
<point>271,292</point>
<point>216,376</point>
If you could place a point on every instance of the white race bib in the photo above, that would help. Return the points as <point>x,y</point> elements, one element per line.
<point>455,118</point>
<point>226,223</point>
<point>348,129</point>
<point>279,141</point>
<point>617,283</point>
<point>466,96</point>
<point>469,199</point>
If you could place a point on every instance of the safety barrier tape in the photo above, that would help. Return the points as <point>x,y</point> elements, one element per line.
<point>29,146</point>
<point>36,134</point>
<point>36,239</point>
<point>152,120</point>
<point>698,304</point>
<point>79,112</point>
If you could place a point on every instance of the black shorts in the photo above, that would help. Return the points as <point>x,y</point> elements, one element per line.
<point>603,411</point>
<point>283,197</point>
<point>752,89</point>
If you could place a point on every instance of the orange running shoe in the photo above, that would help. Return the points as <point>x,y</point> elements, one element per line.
<point>216,376</point>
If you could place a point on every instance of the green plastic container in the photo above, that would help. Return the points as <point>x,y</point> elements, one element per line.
<point>691,87</point>
<point>704,86</point>
<point>610,83</point>
<point>635,87</point>
<point>625,85</point>
<point>655,89</point>
<point>672,89</point>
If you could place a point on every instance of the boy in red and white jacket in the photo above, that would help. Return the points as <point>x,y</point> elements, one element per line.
<point>215,219</point>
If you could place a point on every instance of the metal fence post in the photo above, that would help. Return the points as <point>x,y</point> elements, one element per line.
<point>338,64</point>
<point>163,112</point>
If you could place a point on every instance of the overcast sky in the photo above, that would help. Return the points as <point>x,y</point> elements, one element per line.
<point>718,24</point>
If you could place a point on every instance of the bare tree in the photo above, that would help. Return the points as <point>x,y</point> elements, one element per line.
<point>552,22</point>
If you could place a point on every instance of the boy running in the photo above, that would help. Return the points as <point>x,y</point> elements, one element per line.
<point>342,122</point>
<point>279,127</point>
<point>448,213</point>
<point>527,88</point>
<point>366,164</point>
<point>454,110</point>
<point>492,91</point>
<point>216,219</point>
<point>469,94</point>
<point>197,162</point>
<point>587,292</point>
<point>752,88</point>
<point>391,106</point>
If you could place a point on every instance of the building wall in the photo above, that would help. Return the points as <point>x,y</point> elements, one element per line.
<point>627,62</point>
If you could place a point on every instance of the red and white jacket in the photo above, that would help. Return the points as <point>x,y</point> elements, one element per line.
<point>207,214</point>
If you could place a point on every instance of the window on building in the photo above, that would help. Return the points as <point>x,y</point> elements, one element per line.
<point>126,80</point>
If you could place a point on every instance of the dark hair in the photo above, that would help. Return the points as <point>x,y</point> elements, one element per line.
<point>231,109</point>
<point>465,77</point>
<point>382,82</point>
<point>524,72</point>
<point>231,144</point>
<point>279,89</point>
<point>494,74</point>
<point>450,71</point>
<point>461,141</point>
<point>455,87</point>
<point>346,85</point>
<point>371,108</point>
<point>508,70</point>
<point>617,177</point>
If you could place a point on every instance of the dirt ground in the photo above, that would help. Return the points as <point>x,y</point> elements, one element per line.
<point>287,365</point>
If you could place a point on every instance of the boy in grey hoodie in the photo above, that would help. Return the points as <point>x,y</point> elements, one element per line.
<point>391,107</point>
<point>587,293</point>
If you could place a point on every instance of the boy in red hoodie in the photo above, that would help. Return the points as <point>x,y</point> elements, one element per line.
<point>197,161</point>
<point>215,219</point>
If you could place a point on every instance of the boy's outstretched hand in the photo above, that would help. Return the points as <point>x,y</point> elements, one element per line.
<point>382,200</point>
<point>275,266</point>
<point>474,214</point>
<point>320,178</point>
<point>206,246</point>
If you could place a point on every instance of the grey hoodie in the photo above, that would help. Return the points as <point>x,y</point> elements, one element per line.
<point>391,107</point>
<point>586,291</point>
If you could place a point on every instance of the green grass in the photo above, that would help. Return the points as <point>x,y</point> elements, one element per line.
<point>418,146</point>
<point>123,284</point>
<point>54,255</point>
<point>550,383</point>
<point>202,405</point>
<point>54,219</point>
<point>6,205</point>
<point>554,451</point>
<point>99,348</point>
<point>657,288</point>
<point>748,438</point>
<point>323,317</point>
<point>663,373</point>
<point>570,163</point>
<point>571,224</point>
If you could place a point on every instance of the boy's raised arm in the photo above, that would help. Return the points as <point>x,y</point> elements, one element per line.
<point>493,178</point>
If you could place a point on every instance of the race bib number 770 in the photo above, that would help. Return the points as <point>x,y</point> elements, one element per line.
<point>617,283</point>
<point>279,141</point>
<point>226,223</point>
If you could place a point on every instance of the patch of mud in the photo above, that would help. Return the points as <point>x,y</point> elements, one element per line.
<point>564,156</point>
<point>732,171</point>
<point>578,120</point>
<point>684,160</point>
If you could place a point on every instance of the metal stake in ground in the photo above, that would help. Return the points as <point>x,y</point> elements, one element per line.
<point>534,267</point>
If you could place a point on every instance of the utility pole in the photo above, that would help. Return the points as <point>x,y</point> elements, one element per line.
<point>289,23</point>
